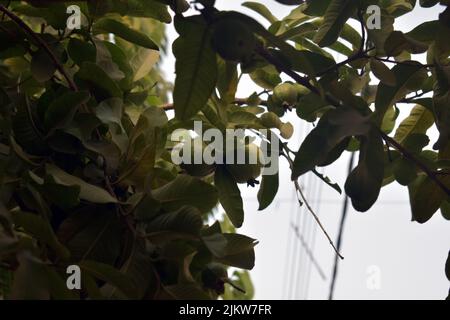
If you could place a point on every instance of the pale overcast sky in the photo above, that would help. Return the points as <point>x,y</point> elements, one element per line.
<point>410,257</point>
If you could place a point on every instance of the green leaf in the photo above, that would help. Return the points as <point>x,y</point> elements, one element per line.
<point>405,171</point>
<point>110,111</point>
<point>267,77</point>
<point>80,51</point>
<point>290,2</point>
<point>419,121</point>
<point>187,219</point>
<point>110,275</point>
<point>104,86</point>
<point>308,106</point>
<point>232,249</point>
<point>92,233</point>
<point>139,268</point>
<point>426,197</point>
<point>441,99</point>
<point>398,42</point>
<point>268,190</point>
<point>132,8</point>
<point>383,73</point>
<point>187,291</point>
<point>30,270</point>
<point>261,9</point>
<point>333,128</point>
<point>41,229</point>
<point>388,95</point>
<point>42,66</point>
<point>445,210</point>
<point>143,62</point>
<point>107,25</point>
<point>195,68</point>
<point>364,182</point>
<point>429,4</point>
<point>88,191</point>
<point>229,196</point>
<point>62,110</point>
<point>65,197</point>
<point>186,190</point>
<point>327,180</point>
<point>447,267</point>
<point>337,14</point>
<point>147,208</point>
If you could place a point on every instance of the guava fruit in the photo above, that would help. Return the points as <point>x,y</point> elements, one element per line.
<point>233,40</point>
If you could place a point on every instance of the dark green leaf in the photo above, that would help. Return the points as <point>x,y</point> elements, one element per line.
<point>186,190</point>
<point>107,25</point>
<point>364,182</point>
<point>268,190</point>
<point>229,196</point>
<point>196,68</point>
<point>426,197</point>
<point>61,111</point>
<point>41,229</point>
<point>42,66</point>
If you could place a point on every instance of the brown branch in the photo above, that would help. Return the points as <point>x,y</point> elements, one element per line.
<point>304,81</point>
<point>239,101</point>
<point>406,63</point>
<point>430,173</point>
<point>41,43</point>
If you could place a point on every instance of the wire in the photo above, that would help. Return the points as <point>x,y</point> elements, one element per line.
<point>341,231</point>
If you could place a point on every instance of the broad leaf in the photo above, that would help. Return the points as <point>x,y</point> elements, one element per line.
<point>195,68</point>
<point>268,190</point>
<point>88,191</point>
<point>419,121</point>
<point>186,190</point>
<point>229,196</point>
<point>41,229</point>
<point>119,29</point>
<point>337,14</point>
<point>364,182</point>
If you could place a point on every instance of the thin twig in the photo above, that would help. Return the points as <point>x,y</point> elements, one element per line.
<point>302,199</point>
<point>305,201</point>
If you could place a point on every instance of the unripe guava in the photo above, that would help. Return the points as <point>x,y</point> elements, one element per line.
<point>246,172</point>
<point>286,93</point>
<point>197,169</point>
<point>233,41</point>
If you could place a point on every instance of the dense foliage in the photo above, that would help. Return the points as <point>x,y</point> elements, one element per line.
<point>86,171</point>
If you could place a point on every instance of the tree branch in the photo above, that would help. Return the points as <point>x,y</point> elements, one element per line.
<point>406,63</point>
<point>41,44</point>
<point>239,101</point>
<point>431,174</point>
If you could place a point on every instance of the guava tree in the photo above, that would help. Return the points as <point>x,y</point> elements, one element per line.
<point>87,176</point>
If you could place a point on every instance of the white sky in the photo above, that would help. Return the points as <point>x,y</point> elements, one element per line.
<point>409,256</point>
